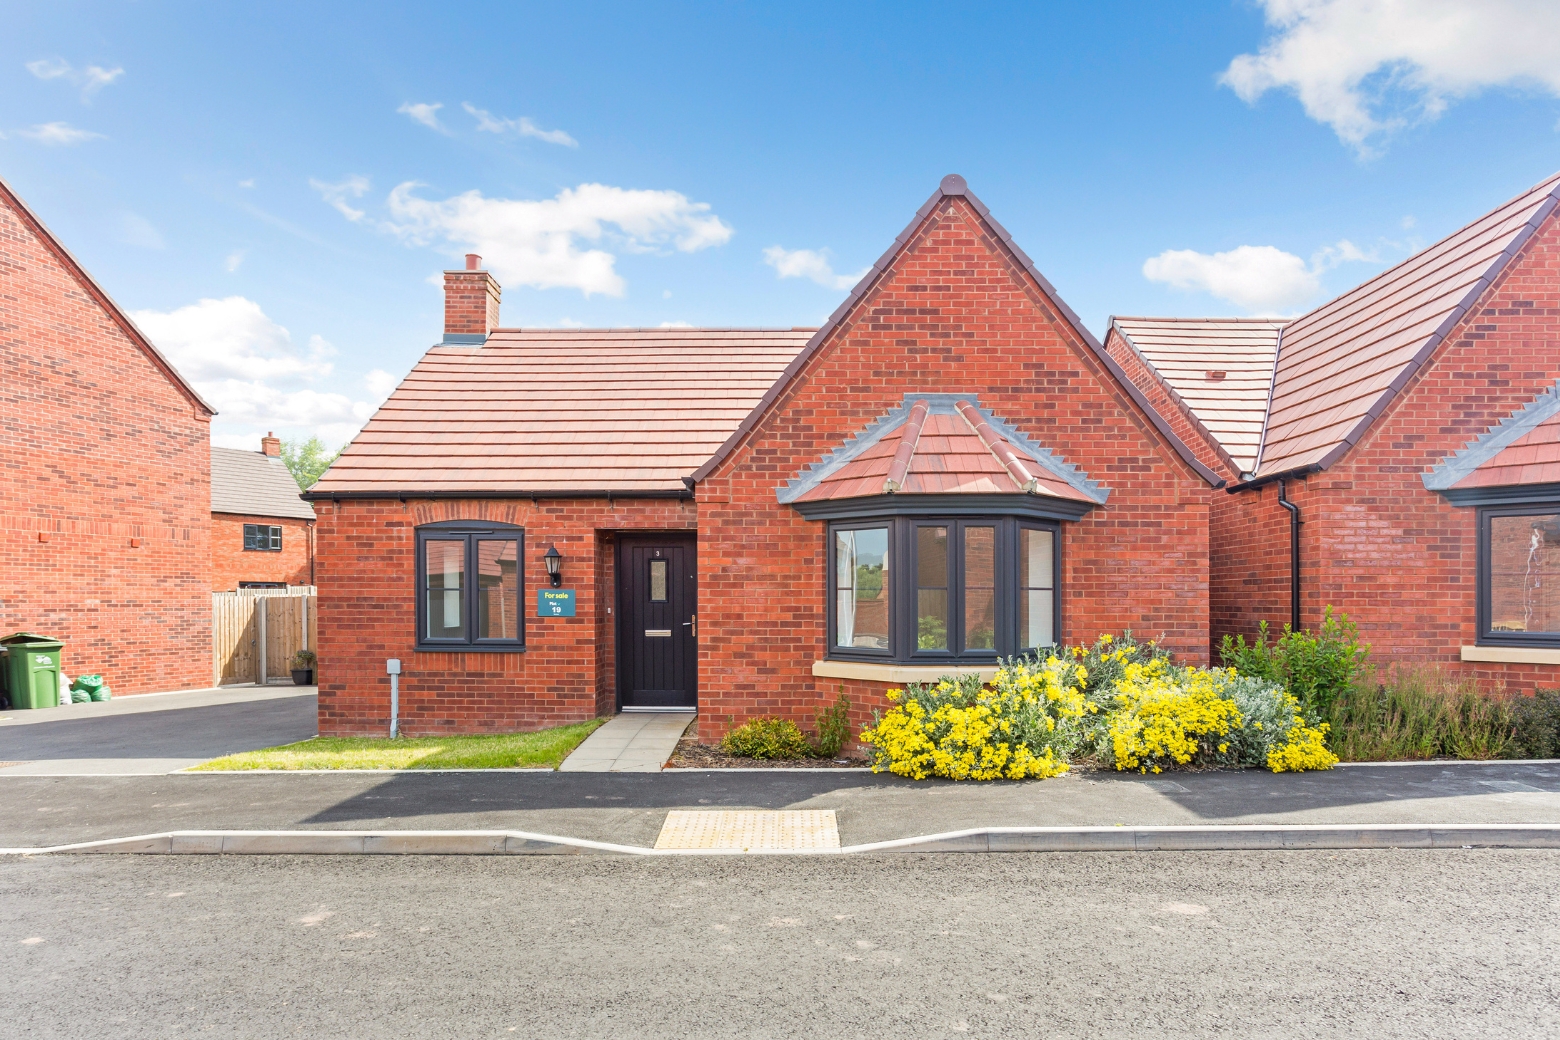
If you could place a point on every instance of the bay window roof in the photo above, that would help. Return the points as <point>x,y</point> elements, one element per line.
<point>943,444</point>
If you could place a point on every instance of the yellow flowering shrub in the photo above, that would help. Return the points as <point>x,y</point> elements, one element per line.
<point>1025,724</point>
<point>1306,749</point>
<point>1166,714</point>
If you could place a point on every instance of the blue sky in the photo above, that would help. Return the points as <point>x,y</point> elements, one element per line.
<point>269,189</point>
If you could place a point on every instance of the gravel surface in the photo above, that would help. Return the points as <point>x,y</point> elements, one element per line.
<point>1368,944</point>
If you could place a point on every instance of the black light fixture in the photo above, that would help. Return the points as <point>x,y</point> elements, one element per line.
<point>554,561</point>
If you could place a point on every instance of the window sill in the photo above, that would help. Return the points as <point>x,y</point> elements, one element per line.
<point>897,673</point>
<point>1512,654</point>
<point>468,649</point>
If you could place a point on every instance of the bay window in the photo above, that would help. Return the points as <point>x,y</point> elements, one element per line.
<point>970,589</point>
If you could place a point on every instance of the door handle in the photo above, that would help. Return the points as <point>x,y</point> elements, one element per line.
<point>694,624</point>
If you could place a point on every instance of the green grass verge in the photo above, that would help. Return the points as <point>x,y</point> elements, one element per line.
<point>543,749</point>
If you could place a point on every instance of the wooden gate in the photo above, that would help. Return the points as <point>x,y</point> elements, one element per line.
<point>254,633</point>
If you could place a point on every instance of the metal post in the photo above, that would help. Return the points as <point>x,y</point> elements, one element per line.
<point>393,669</point>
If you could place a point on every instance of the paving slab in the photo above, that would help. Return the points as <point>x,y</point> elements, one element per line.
<point>154,733</point>
<point>631,808</point>
<point>633,742</point>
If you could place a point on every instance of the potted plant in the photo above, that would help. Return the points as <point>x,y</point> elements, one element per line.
<point>303,668</point>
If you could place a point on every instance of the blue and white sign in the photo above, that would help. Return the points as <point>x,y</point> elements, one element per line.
<point>554,602</point>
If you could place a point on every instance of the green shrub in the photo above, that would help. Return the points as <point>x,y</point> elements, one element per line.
<point>303,659</point>
<point>1316,667</point>
<point>1418,712</point>
<point>1535,726</point>
<point>831,727</point>
<point>766,738</point>
<point>1106,663</point>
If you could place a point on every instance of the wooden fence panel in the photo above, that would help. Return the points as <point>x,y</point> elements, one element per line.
<point>240,622</point>
<point>234,635</point>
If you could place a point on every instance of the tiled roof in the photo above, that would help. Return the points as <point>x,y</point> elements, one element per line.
<point>547,410</point>
<point>251,483</point>
<point>1221,369</point>
<point>940,444</point>
<point>1341,364</point>
<point>1524,449</point>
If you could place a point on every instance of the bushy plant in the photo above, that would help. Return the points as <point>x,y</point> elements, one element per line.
<point>1535,726</point>
<point>767,738</point>
<point>1418,712</point>
<point>1316,667</point>
<point>1025,724</point>
<point>831,727</point>
<point>303,659</point>
<point>1105,662</point>
<point>1167,715</point>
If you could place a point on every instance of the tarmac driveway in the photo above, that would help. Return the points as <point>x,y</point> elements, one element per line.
<point>153,733</point>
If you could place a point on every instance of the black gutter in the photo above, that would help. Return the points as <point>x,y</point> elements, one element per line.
<point>1302,471</point>
<point>335,496</point>
<point>1294,557</point>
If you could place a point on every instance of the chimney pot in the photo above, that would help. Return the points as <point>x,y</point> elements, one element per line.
<point>271,445</point>
<point>473,262</point>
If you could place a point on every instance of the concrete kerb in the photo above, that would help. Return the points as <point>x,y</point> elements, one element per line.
<point>1242,838</point>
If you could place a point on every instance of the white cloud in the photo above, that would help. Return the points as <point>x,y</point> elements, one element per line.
<point>543,242</point>
<point>91,79</point>
<point>338,194</point>
<point>489,123</point>
<point>1367,67</point>
<point>250,370</point>
<point>427,115</point>
<point>380,383</point>
<point>676,325</point>
<point>809,263</point>
<point>233,259</point>
<point>58,133</point>
<point>136,230</point>
<point>247,182</point>
<point>1258,279</point>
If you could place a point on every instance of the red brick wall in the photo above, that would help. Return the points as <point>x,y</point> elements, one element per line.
<point>955,313</point>
<point>105,504</point>
<point>1399,559</point>
<point>231,564</point>
<point>365,571</point>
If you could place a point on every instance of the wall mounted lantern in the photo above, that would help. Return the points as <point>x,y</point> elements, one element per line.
<point>554,561</point>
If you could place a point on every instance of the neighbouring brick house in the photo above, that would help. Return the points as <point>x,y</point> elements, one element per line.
<point>951,469</point>
<point>262,532</point>
<point>104,507</point>
<point>1409,425</point>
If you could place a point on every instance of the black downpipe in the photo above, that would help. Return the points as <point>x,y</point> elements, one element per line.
<point>1294,557</point>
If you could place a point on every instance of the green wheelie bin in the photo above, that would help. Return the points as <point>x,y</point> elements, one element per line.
<point>33,664</point>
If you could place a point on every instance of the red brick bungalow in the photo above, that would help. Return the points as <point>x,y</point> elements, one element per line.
<point>262,532</point>
<point>104,510</point>
<point>951,470</point>
<point>1406,450</point>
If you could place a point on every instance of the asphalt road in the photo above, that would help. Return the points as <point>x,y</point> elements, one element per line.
<point>153,733</point>
<point>1368,944</point>
<point>629,808</point>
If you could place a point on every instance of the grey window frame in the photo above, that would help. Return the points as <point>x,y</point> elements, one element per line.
<point>903,639</point>
<point>273,537</point>
<point>471,532</point>
<point>1485,636</point>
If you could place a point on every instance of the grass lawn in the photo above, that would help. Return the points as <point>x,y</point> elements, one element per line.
<point>543,749</point>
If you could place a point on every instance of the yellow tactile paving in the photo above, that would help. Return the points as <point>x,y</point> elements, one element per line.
<point>749,829</point>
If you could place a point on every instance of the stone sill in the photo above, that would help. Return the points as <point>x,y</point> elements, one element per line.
<point>1512,654</point>
<point>895,673</point>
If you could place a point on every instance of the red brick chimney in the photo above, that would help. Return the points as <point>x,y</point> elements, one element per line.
<point>470,303</point>
<point>271,445</point>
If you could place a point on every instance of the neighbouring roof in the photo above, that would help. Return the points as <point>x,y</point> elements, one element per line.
<point>564,410</point>
<point>1341,365</point>
<point>251,483</point>
<point>1219,369</point>
<point>1523,449</point>
<point>99,296</point>
<point>940,444</point>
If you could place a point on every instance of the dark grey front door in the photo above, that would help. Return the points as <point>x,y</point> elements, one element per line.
<point>658,659</point>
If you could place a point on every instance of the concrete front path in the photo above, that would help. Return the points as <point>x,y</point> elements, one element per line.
<point>153,732</point>
<point>634,742</point>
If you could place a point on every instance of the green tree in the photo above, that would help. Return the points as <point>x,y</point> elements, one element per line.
<point>307,460</point>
